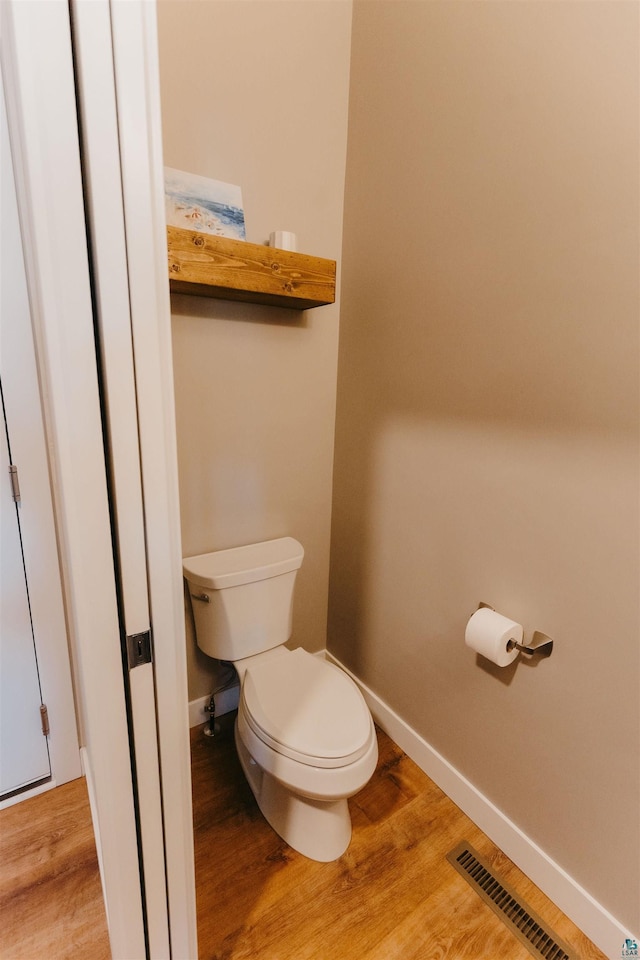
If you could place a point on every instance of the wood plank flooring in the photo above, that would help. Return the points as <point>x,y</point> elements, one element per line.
<point>50,893</point>
<point>391,896</point>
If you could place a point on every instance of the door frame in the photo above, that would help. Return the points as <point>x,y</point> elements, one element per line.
<point>37,64</point>
<point>39,82</point>
<point>39,86</point>
<point>115,49</point>
<point>137,76</point>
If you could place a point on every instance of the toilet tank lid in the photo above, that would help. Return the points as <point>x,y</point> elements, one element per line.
<point>255,561</point>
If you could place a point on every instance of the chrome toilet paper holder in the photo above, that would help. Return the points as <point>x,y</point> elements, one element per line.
<point>540,644</point>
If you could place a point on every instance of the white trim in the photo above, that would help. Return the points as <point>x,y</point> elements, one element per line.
<point>103,189</point>
<point>88,775</point>
<point>136,69</point>
<point>226,701</point>
<point>589,916</point>
<point>144,724</point>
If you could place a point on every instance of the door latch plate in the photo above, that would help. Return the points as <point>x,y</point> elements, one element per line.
<point>139,649</point>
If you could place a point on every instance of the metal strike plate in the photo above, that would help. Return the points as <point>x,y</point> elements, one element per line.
<point>139,649</point>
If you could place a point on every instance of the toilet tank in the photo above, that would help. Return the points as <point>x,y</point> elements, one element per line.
<point>242,599</point>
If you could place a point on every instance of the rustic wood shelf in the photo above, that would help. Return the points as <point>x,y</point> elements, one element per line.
<point>208,266</point>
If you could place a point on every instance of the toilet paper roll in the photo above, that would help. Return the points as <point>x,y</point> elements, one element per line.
<point>283,240</point>
<point>489,633</point>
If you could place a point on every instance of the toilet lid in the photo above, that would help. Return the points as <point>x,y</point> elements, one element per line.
<point>307,709</point>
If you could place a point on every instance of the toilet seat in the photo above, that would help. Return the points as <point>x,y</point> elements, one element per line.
<point>306,709</point>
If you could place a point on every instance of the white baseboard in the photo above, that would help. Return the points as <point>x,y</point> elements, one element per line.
<point>588,915</point>
<point>226,701</point>
<point>88,774</point>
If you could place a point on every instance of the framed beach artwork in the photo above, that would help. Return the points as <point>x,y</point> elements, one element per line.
<point>198,203</point>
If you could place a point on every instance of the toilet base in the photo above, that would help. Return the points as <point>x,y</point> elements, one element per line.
<point>318,829</point>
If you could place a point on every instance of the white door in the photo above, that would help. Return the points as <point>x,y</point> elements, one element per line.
<point>117,68</point>
<point>24,757</point>
<point>108,248</point>
<point>32,608</point>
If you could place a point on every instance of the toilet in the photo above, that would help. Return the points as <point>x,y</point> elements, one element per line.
<point>304,734</point>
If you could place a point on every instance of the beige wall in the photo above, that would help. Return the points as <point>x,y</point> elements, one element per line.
<point>487,430</point>
<point>256,93</point>
<point>488,395</point>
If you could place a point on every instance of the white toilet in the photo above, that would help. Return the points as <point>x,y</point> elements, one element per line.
<point>304,734</point>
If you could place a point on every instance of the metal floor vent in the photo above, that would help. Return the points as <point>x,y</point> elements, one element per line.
<point>518,916</point>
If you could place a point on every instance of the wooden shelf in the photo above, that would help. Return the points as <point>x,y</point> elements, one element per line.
<point>208,266</point>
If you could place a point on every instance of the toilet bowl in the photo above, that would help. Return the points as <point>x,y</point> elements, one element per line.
<point>304,734</point>
<point>306,743</point>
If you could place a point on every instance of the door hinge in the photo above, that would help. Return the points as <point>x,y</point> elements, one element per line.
<point>139,649</point>
<point>44,717</point>
<point>15,483</point>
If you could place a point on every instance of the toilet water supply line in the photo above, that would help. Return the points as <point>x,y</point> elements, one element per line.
<point>210,729</point>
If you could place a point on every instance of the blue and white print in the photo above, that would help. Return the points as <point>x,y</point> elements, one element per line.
<point>198,203</point>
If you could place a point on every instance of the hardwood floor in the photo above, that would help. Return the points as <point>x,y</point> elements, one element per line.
<point>51,902</point>
<point>391,896</point>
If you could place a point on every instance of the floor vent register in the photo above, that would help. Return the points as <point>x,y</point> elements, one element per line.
<point>518,916</point>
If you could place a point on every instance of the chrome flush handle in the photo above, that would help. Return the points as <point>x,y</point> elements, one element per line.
<point>203,597</point>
